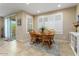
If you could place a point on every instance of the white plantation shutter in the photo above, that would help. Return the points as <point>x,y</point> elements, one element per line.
<point>59,23</point>
<point>40,22</point>
<point>51,22</point>
<point>54,21</point>
<point>30,23</point>
<point>45,21</point>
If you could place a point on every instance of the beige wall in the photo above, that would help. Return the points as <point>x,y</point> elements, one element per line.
<point>77,13</point>
<point>68,20</point>
<point>1,25</point>
<point>21,31</point>
<point>77,9</point>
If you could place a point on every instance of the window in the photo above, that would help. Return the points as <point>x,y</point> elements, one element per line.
<point>53,21</point>
<point>30,23</point>
<point>42,21</point>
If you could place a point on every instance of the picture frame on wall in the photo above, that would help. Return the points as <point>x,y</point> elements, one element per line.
<point>19,23</point>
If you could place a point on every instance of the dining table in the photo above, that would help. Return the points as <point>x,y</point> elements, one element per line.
<point>46,37</point>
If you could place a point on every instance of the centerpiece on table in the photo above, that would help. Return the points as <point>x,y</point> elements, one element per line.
<point>42,29</point>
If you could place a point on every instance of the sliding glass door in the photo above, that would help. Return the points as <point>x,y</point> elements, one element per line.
<point>13,28</point>
<point>10,28</point>
<point>7,28</point>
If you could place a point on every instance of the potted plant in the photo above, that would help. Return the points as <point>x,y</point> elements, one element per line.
<point>42,29</point>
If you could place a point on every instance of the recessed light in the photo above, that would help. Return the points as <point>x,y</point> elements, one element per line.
<point>38,11</point>
<point>58,5</point>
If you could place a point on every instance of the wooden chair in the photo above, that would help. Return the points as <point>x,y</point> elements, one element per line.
<point>47,40</point>
<point>53,33</point>
<point>33,37</point>
<point>39,38</point>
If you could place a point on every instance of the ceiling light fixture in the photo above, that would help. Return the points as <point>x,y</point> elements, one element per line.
<point>58,5</point>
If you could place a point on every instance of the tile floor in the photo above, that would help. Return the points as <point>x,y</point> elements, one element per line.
<point>17,48</point>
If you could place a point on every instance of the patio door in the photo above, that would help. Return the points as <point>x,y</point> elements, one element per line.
<point>13,28</point>
<point>10,28</point>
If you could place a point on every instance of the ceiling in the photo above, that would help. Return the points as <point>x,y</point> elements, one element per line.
<point>32,8</point>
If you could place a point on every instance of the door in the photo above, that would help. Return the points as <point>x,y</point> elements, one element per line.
<point>13,28</point>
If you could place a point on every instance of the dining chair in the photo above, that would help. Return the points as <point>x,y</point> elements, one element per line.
<point>33,37</point>
<point>47,40</point>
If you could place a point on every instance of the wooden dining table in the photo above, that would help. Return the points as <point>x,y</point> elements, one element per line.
<point>44,37</point>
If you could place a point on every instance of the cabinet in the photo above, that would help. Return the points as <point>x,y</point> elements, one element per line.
<point>74,36</point>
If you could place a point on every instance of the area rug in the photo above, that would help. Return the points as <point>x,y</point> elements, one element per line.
<point>54,51</point>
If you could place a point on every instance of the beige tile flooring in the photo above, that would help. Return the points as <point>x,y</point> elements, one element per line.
<point>14,48</point>
<point>65,48</point>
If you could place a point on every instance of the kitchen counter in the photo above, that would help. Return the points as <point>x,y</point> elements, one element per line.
<point>75,33</point>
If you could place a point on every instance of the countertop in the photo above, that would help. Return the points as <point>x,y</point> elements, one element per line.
<point>75,33</point>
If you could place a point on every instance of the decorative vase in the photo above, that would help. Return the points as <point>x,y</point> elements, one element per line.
<point>42,29</point>
<point>76,25</point>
